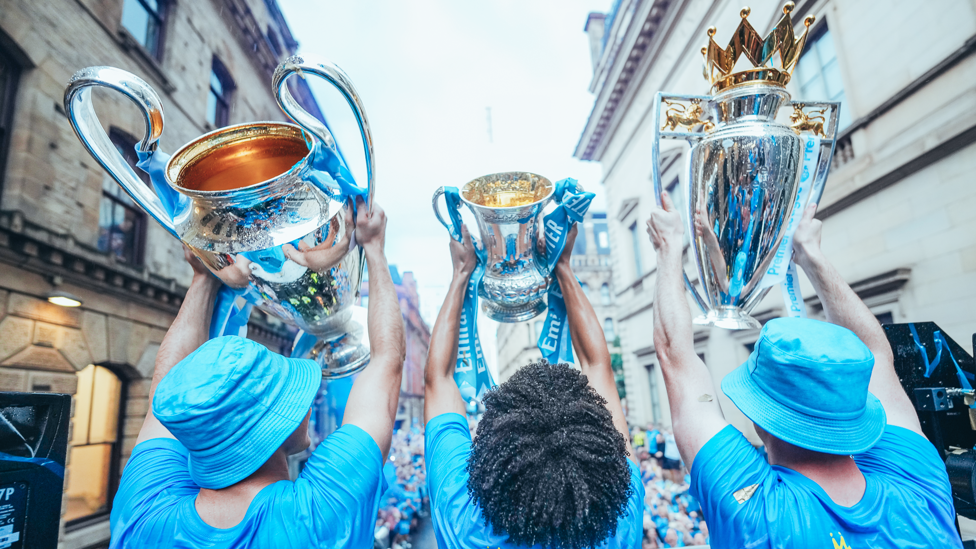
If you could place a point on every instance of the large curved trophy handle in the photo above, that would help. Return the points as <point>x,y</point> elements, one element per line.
<point>659,100</point>
<point>303,65</point>
<point>814,118</point>
<point>454,227</point>
<point>81,113</point>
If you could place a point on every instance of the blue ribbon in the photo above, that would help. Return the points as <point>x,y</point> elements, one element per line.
<point>554,341</point>
<point>940,344</point>
<point>48,464</point>
<point>227,318</point>
<point>470,370</point>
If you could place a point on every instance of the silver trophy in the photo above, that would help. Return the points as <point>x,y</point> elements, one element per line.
<point>508,208</point>
<point>744,168</point>
<point>251,212</point>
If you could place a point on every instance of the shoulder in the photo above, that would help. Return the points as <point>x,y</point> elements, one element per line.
<point>156,470</point>
<point>906,457</point>
<point>447,442</point>
<point>725,475</point>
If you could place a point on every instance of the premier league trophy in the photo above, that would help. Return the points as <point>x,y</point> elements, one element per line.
<point>749,176</point>
<point>266,206</point>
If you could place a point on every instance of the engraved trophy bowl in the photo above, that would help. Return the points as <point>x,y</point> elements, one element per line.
<point>745,169</point>
<point>247,205</point>
<point>508,209</point>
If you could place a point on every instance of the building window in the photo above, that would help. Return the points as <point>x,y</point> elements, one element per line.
<point>144,21</point>
<point>605,294</point>
<point>818,73</point>
<point>586,289</point>
<point>93,443</point>
<point>655,396</point>
<point>121,223</point>
<point>885,318</point>
<point>608,332</point>
<point>602,238</point>
<point>579,247</point>
<point>274,42</point>
<point>9,75</point>
<point>218,99</point>
<point>635,242</point>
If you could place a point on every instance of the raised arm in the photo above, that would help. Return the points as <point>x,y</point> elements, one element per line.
<point>441,394</point>
<point>374,397</point>
<point>589,340</point>
<point>844,308</point>
<point>189,331</point>
<point>695,412</point>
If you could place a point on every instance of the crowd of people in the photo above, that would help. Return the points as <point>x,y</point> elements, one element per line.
<point>405,500</point>
<point>672,516</point>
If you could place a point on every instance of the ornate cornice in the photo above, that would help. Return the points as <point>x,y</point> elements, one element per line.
<point>619,68</point>
<point>31,247</point>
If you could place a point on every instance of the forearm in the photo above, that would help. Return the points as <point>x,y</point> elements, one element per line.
<point>673,336</point>
<point>441,393</point>
<point>584,326</point>
<point>384,318</point>
<point>844,308</point>
<point>190,330</point>
<point>443,349</point>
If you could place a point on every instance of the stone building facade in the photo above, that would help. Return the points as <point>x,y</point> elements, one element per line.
<point>66,227</point>
<point>517,342</point>
<point>898,209</point>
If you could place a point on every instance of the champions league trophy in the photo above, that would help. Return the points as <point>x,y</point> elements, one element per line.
<point>749,176</point>
<point>266,206</point>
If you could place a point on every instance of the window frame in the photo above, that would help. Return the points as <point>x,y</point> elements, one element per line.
<point>115,457</point>
<point>160,16</point>
<point>8,99</point>
<point>813,36</point>
<point>223,99</point>
<point>636,250</point>
<point>126,143</point>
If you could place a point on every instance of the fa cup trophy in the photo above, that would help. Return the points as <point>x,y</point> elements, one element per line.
<point>749,176</point>
<point>267,206</point>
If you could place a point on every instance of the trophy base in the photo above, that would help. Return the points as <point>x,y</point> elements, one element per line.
<point>729,318</point>
<point>347,353</point>
<point>519,313</point>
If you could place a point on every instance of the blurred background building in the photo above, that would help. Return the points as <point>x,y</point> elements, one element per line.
<point>67,227</point>
<point>899,204</point>
<point>518,342</point>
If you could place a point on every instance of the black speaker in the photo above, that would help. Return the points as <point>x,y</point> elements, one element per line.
<point>33,446</point>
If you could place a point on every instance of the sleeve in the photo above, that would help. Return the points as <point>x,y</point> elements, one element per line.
<point>910,459</point>
<point>630,527</point>
<point>447,447</point>
<point>157,465</point>
<point>727,477</point>
<point>341,484</point>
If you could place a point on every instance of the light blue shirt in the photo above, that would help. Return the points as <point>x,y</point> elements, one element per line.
<point>907,500</point>
<point>333,503</point>
<point>458,522</point>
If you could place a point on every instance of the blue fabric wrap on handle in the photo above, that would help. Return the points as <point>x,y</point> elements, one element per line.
<point>227,318</point>
<point>470,370</point>
<point>554,341</point>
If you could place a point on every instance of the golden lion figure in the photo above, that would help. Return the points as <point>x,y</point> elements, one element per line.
<point>689,116</point>
<point>813,122</point>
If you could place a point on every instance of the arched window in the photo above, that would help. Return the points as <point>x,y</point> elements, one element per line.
<point>93,443</point>
<point>605,294</point>
<point>608,329</point>
<point>586,289</point>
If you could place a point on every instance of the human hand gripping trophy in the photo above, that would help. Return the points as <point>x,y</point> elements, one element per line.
<point>749,177</point>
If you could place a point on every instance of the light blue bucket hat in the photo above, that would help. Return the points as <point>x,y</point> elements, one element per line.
<point>806,383</point>
<point>232,403</point>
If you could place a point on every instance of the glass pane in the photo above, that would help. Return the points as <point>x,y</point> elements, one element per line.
<point>83,403</point>
<point>215,84</point>
<point>104,224</point>
<point>608,329</point>
<point>825,48</point>
<point>88,473</point>
<point>135,19</point>
<point>605,294</point>
<point>212,108</point>
<point>152,4</point>
<point>105,407</point>
<point>580,246</point>
<point>832,82</point>
<point>152,36</point>
<point>635,242</point>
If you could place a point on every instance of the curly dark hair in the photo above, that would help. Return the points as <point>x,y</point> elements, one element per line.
<point>547,465</point>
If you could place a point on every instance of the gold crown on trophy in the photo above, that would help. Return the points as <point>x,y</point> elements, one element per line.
<point>720,62</point>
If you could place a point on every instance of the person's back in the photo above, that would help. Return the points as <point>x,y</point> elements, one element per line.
<point>847,464</point>
<point>549,466</point>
